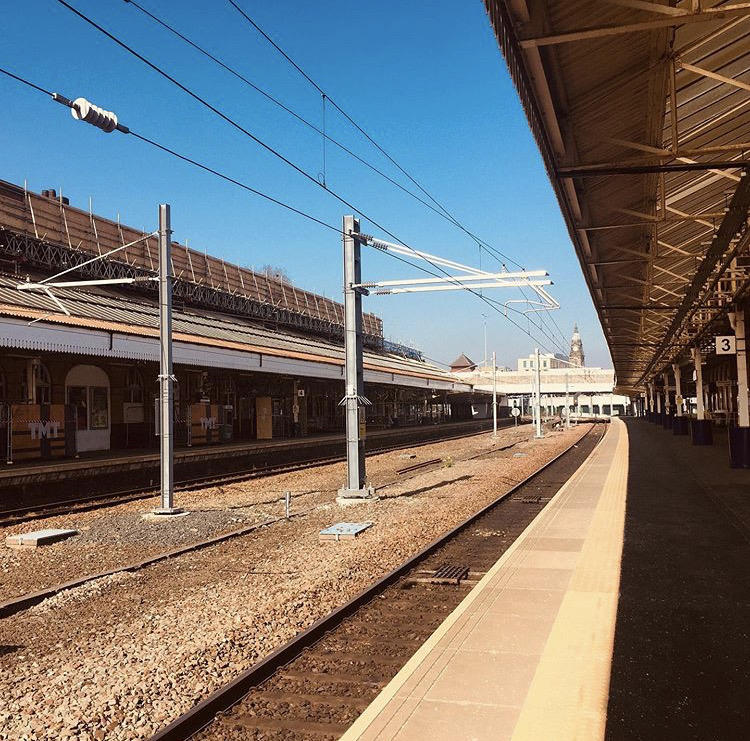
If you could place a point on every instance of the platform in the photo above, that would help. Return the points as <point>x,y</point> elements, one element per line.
<point>596,623</point>
<point>106,462</point>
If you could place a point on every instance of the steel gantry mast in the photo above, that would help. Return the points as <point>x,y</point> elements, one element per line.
<point>462,277</point>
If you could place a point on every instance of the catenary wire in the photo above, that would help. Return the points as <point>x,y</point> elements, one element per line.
<point>441,212</point>
<point>259,141</point>
<point>321,131</point>
<point>441,209</point>
<point>280,203</point>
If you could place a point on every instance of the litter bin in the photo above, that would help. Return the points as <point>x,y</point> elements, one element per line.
<point>680,426</point>
<point>739,447</point>
<point>701,431</point>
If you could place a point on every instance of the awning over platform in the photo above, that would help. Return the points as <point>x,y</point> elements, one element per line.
<point>641,110</point>
<point>105,324</point>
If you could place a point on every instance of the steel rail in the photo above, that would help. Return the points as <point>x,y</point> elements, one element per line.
<point>203,713</point>
<point>98,501</point>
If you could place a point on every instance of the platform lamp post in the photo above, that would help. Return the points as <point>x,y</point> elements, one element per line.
<point>468,278</point>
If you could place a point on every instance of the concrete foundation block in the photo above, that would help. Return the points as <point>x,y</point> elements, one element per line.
<point>38,538</point>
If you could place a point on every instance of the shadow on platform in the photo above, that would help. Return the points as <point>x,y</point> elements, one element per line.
<point>681,664</point>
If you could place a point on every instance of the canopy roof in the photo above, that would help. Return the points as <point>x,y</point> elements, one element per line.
<point>641,111</point>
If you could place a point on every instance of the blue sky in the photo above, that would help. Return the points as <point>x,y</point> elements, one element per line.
<point>425,79</point>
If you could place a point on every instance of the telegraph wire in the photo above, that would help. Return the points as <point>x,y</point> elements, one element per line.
<point>26,82</point>
<point>289,207</point>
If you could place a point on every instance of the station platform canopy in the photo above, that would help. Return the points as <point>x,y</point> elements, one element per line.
<point>641,111</point>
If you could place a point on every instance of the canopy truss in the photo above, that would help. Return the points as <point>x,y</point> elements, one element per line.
<point>641,110</point>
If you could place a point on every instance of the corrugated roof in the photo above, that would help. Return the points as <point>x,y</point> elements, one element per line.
<point>98,308</point>
<point>599,80</point>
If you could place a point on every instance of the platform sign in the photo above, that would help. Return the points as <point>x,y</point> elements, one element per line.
<point>726,345</point>
<point>515,411</point>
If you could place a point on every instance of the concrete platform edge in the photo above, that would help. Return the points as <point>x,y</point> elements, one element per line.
<point>389,692</point>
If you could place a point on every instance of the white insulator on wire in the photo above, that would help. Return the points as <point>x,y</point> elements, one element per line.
<point>82,110</point>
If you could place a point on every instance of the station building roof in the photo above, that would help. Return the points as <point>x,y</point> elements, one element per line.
<point>641,112</point>
<point>104,323</point>
<point>49,219</point>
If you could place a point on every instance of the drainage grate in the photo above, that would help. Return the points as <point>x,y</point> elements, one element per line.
<point>449,574</point>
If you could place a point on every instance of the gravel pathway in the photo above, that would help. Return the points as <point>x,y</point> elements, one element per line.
<point>119,657</point>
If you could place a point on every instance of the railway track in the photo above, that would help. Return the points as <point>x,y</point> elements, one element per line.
<point>316,685</point>
<point>42,510</point>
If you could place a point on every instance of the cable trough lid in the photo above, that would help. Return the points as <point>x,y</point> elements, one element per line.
<point>344,530</point>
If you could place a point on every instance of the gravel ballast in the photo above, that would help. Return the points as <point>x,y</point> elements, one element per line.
<point>121,656</point>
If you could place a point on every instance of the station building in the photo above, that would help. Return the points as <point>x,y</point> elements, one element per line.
<point>255,357</point>
<point>565,383</point>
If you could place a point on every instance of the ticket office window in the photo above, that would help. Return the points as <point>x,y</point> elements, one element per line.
<point>92,408</point>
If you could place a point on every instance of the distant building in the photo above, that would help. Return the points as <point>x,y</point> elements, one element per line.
<point>547,361</point>
<point>576,357</point>
<point>462,364</point>
<point>586,391</point>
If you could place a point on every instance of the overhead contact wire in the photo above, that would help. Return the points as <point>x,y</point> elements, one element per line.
<point>267,197</point>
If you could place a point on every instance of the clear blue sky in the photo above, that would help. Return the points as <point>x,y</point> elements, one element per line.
<point>425,79</point>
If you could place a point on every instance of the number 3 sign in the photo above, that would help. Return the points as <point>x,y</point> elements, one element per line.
<point>725,345</point>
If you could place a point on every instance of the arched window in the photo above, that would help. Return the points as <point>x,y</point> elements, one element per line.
<point>134,386</point>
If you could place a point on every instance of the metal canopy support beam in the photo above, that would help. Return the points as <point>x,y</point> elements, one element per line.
<point>713,75</point>
<point>730,225</point>
<point>708,14</point>
<point>650,6</point>
<point>677,389</point>
<point>743,408</point>
<point>698,364</point>
<point>607,169</point>
<point>354,398</point>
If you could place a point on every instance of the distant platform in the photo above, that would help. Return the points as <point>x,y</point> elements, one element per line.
<point>107,462</point>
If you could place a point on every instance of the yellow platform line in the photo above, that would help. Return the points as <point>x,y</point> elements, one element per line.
<point>570,689</point>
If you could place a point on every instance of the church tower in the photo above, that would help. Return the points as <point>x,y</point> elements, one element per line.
<point>576,357</point>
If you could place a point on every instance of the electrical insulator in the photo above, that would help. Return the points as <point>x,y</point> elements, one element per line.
<point>82,110</point>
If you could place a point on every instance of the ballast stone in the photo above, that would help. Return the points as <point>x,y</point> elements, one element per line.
<point>38,538</point>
